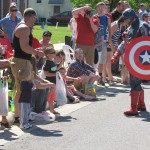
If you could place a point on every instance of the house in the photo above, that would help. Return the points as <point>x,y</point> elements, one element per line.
<point>44,8</point>
<point>47,8</point>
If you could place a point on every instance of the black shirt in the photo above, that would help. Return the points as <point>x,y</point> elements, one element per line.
<point>51,67</point>
<point>26,91</point>
<point>19,53</point>
<point>116,15</point>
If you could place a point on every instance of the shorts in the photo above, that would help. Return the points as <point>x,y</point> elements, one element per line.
<point>103,57</point>
<point>88,52</point>
<point>51,95</point>
<point>17,64</point>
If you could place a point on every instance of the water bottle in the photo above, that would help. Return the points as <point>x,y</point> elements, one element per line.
<point>12,106</point>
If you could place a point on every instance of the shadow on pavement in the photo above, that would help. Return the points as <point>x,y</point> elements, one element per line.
<point>145,116</point>
<point>8,135</point>
<point>46,133</point>
<point>64,119</point>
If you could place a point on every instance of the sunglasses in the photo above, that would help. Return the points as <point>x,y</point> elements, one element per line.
<point>52,52</point>
<point>47,35</point>
<point>80,53</point>
<point>146,16</point>
<point>13,10</point>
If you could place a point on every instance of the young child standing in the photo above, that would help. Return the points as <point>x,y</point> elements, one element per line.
<point>25,98</point>
<point>50,69</point>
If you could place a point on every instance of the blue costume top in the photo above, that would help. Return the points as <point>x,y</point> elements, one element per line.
<point>104,25</point>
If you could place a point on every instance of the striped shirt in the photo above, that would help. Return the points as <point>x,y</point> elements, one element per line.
<point>116,34</point>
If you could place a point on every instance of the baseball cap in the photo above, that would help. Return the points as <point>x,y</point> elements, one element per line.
<point>12,5</point>
<point>47,33</point>
<point>142,4</point>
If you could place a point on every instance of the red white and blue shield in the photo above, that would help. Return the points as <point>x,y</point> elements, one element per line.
<point>137,57</point>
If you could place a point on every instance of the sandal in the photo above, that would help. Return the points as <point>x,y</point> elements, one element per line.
<point>76,100</point>
<point>5,125</point>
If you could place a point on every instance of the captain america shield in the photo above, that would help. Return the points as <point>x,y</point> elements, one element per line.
<point>137,57</point>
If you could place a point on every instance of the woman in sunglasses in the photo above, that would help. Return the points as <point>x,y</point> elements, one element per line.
<point>9,23</point>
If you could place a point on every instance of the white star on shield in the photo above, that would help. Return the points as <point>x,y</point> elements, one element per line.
<point>145,57</point>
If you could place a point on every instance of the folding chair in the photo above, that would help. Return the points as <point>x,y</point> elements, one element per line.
<point>69,52</point>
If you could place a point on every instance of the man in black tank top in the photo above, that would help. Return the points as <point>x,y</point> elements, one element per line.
<point>23,50</point>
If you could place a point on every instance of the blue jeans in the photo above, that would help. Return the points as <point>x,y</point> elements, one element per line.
<point>135,83</point>
<point>39,100</point>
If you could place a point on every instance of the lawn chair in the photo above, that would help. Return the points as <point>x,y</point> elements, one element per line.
<point>69,52</point>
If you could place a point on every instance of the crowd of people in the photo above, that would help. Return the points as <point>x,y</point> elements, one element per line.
<point>98,41</point>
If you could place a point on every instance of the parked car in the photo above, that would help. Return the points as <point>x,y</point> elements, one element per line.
<point>61,18</point>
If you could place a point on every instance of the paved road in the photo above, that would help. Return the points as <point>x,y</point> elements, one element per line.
<point>98,125</point>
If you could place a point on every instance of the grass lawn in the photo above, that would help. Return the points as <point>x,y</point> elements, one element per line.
<point>58,35</point>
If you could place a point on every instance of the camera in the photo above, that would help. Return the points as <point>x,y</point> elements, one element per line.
<point>89,13</point>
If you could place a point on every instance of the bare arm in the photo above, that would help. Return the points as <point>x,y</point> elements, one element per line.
<point>40,85</point>
<point>23,34</point>
<point>110,36</point>
<point>48,74</point>
<point>93,26</point>
<point>4,64</point>
<point>41,79</point>
<point>80,10</point>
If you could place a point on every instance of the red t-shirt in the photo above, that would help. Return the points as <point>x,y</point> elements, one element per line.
<point>36,43</point>
<point>85,34</point>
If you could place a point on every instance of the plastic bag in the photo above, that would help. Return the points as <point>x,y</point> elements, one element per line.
<point>44,116</point>
<point>61,97</point>
<point>90,89</point>
<point>42,74</point>
<point>3,98</point>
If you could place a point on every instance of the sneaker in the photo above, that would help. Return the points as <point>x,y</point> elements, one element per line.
<point>26,126</point>
<point>17,120</point>
<point>111,82</point>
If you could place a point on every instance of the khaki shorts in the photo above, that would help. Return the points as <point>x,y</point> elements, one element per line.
<point>77,85</point>
<point>88,53</point>
<point>16,65</point>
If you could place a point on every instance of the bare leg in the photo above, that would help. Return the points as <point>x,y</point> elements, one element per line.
<point>51,106</point>
<point>16,99</point>
<point>100,68</point>
<point>70,94</point>
<point>4,120</point>
<point>108,65</point>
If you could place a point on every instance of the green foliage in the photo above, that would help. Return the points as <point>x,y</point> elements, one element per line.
<point>83,2</point>
<point>58,35</point>
<point>134,3</point>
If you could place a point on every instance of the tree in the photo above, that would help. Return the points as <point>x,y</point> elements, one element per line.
<point>134,3</point>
